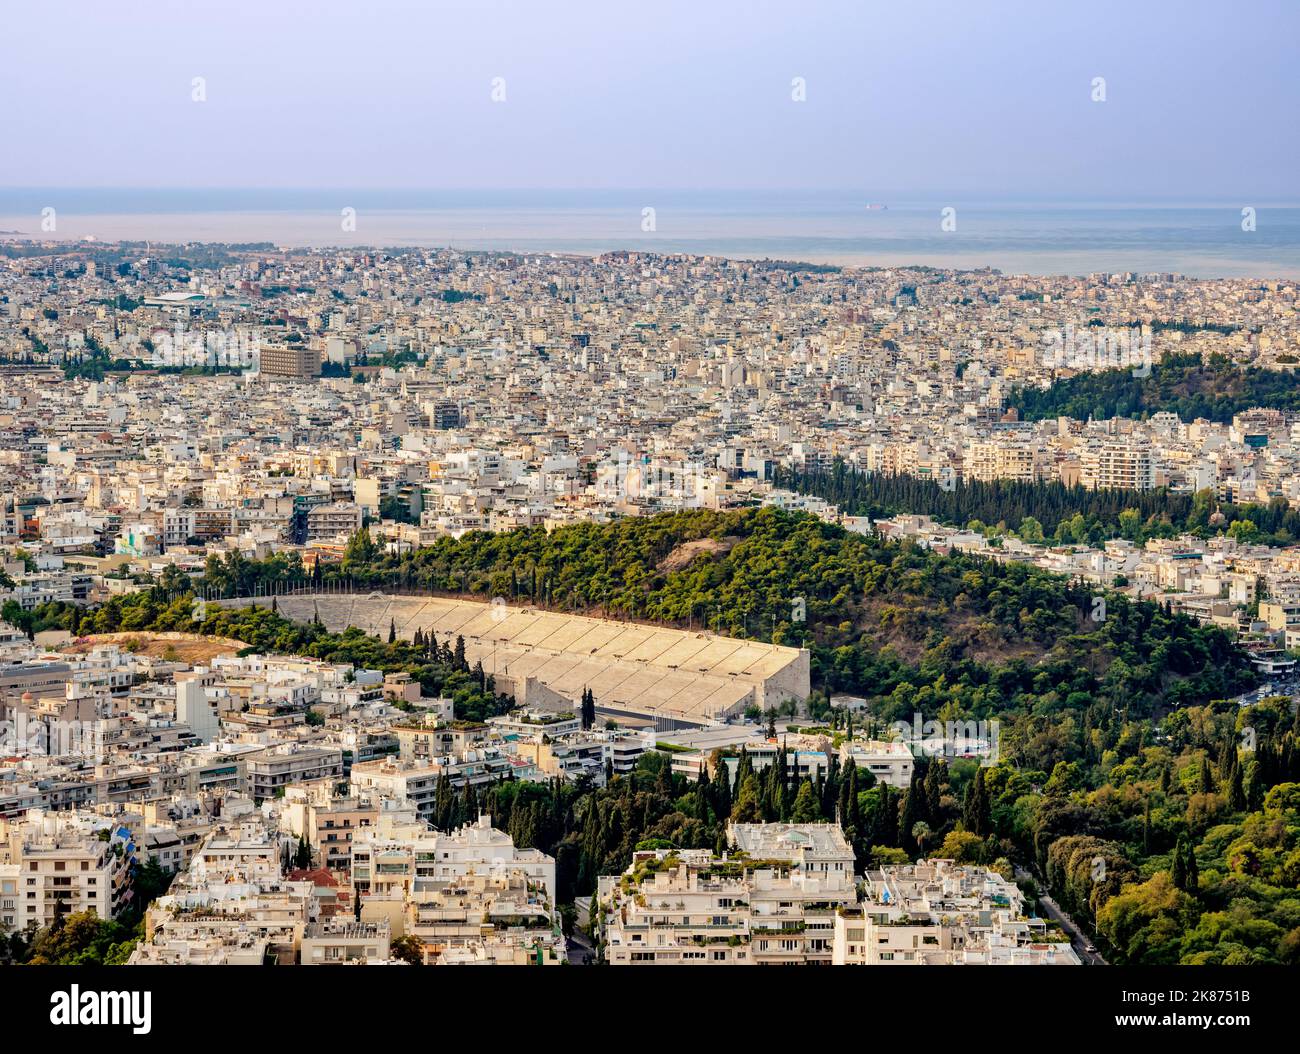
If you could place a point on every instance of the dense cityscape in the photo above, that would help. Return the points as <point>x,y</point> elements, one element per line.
<point>721,484</point>
<point>438,607</point>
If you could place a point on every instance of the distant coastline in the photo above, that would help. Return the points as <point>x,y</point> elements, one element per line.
<point>837,228</point>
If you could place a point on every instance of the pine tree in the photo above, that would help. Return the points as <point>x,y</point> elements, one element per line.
<point>805,809</point>
<point>664,780</point>
<point>747,808</point>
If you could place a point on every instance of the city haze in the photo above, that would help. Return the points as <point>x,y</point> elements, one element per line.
<point>915,100</point>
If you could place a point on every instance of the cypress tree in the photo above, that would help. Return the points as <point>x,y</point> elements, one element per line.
<point>908,819</point>
<point>702,791</point>
<point>1179,867</point>
<point>721,786</point>
<point>1236,793</point>
<point>842,805</point>
<point>935,777</point>
<point>1254,791</point>
<point>885,820</point>
<point>744,767</point>
<point>976,815</point>
<point>855,818</point>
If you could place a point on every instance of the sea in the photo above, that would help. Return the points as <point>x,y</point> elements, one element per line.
<point>857,228</point>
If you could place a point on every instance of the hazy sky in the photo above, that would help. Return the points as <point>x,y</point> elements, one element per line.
<point>994,98</point>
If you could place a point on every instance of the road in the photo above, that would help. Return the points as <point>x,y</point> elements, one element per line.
<point>581,953</point>
<point>580,948</point>
<point>1078,939</point>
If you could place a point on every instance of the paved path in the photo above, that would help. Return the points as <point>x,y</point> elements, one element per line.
<point>1078,939</point>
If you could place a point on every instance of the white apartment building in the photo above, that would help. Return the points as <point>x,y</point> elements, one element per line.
<point>400,852</point>
<point>1124,464</point>
<point>340,942</point>
<point>936,912</point>
<point>994,459</point>
<point>271,770</point>
<point>325,523</point>
<point>469,894</point>
<point>890,762</point>
<point>64,866</point>
<point>772,899</point>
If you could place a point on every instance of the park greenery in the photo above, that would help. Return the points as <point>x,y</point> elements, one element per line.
<point>1048,512</point>
<point>1120,739</point>
<point>1214,388</point>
